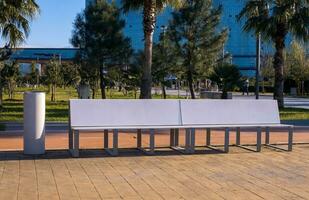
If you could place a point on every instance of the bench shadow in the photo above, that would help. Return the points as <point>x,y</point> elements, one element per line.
<point>99,153</point>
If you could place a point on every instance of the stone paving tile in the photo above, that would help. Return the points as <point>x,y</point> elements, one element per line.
<point>207,174</point>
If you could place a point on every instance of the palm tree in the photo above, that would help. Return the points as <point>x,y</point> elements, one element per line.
<point>15,17</point>
<point>150,10</point>
<point>275,19</point>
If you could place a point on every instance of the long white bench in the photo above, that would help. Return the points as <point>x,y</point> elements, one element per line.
<point>115,115</point>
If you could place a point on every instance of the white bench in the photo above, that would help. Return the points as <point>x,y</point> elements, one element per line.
<point>115,115</point>
<point>104,115</point>
<point>232,114</point>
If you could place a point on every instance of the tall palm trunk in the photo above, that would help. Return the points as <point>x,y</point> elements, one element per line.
<point>279,65</point>
<point>149,22</point>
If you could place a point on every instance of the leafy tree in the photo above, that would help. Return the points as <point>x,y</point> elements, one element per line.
<point>98,31</point>
<point>15,17</point>
<point>150,10</point>
<point>194,29</point>
<point>69,74</point>
<point>298,65</point>
<point>275,19</point>
<point>133,73</point>
<point>227,77</point>
<point>267,70</point>
<point>10,73</point>
<point>164,62</point>
<point>34,75</point>
<point>53,76</point>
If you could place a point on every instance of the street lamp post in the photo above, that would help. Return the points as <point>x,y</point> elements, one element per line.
<point>258,66</point>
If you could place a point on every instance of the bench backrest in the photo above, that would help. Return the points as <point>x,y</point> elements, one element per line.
<point>229,112</point>
<point>124,113</point>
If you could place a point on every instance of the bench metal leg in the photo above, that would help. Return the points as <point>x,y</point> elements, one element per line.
<point>290,141</point>
<point>192,142</point>
<point>114,150</point>
<point>106,139</point>
<point>259,139</point>
<point>152,141</point>
<point>172,138</point>
<point>176,137</point>
<point>70,139</point>
<point>267,131</point>
<point>187,141</point>
<point>208,136</point>
<point>226,140</point>
<point>139,138</point>
<point>75,150</point>
<point>238,136</point>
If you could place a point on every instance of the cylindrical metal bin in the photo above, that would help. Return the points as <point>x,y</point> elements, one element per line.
<point>34,123</point>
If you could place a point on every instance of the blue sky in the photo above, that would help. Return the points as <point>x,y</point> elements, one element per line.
<point>53,27</point>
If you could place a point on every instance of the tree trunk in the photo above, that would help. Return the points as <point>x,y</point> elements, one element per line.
<point>102,83</point>
<point>190,82</point>
<point>93,93</point>
<point>278,66</point>
<point>224,94</point>
<point>53,91</point>
<point>1,95</point>
<point>163,91</point>
<point>149,22</point>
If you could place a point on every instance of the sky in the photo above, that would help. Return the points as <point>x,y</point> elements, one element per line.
<point>53,26</point>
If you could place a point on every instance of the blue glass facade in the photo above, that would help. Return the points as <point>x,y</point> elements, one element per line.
<point>240,45</point>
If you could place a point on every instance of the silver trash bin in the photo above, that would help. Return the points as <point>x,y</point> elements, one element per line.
<point>34,123</point>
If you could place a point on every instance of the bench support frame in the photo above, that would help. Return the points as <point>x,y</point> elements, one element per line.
<point>226,140</point>
<point>151,149</point>
<point>114,150</point>
<point>290,139</point>
<point>189,147</point>
<point>258,140</point>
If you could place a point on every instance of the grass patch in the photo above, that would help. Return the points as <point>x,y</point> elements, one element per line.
<point>58,111</point>
<point>55,111</point>
<point>294,114</point>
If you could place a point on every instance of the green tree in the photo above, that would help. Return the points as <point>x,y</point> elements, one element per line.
<point>275,19</point>
<point>227,77</point>
<point>196,34</point>
<point>53,76</point>
<point>133,73</point>
<point>70,75</point>
<point>15,17</point>
<point>150,10</point>
<point>10,73</point>
<point>164,62</point>
<point>98,32</point>
<point>298,65</point>
<point>267,70</point>
<point>34,75</point>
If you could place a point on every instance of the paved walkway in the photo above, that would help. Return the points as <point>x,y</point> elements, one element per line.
<point>237,175</point>
<point>59,140</point>
<point>290,102</point>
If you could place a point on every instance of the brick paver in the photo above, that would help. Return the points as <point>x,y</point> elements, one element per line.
<point>167,175</point>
